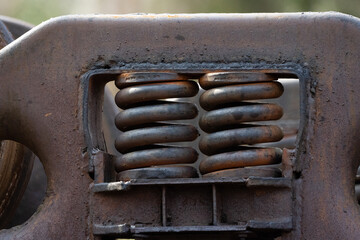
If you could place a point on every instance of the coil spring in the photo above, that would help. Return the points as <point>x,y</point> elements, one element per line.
<point>142,97</point>
<point>229,137</point>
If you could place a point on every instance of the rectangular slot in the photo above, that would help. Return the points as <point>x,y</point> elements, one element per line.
<point>289,101</point>
<point>140,206</point>
<point>240,205</point>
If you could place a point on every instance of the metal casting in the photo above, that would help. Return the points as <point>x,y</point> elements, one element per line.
<point>186,90</point>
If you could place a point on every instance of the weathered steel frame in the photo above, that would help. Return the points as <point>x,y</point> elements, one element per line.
<point>165,214</point>
<point>42,98</point>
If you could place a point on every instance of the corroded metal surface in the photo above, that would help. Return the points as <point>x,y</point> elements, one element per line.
<point>158,173</point>
<point>248,112</point>
<point>216,97</point>
<point>158,156</point>
<point>242,158</point>
<point>16,161</point>
<point>249,134</point>
<point>212,80</point>
<point>228,140</point>
<point>147,134</point>
<point>69,59</point>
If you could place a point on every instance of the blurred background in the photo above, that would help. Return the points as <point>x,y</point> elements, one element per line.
<point>37,11</point>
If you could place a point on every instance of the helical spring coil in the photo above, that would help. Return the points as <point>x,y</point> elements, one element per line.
<point>229,135</point>
<point>146,137</point>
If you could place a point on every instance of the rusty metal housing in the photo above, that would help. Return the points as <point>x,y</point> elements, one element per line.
<point>189,164</point>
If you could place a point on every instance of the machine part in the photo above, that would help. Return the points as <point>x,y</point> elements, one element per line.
<point>16,161</point>
<point>228,139</point>
<point>15,26</point>
<point>142,98</point>
<point>57,113</point>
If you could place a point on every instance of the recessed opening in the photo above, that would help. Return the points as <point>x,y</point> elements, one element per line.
<point>289,101</point>
<point>208,198</point>
<point>23,183</point>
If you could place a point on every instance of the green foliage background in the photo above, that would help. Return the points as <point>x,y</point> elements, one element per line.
<point>36,11</point>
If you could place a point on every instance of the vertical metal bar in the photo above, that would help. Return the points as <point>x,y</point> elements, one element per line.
<point>163,203</point>
<point>214,210</point>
